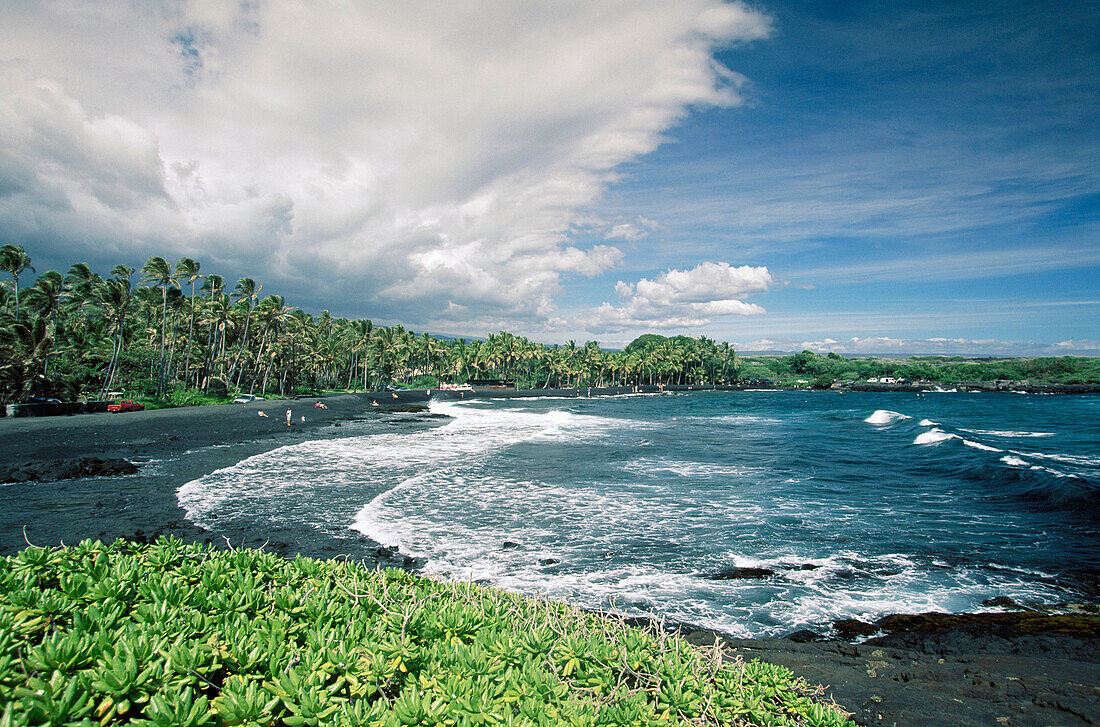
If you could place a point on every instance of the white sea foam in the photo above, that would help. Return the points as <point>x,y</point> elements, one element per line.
<point>1079,460</point>
<point>283,479</point>
<point>738,419</point>
<point>661,466</point>
<point>979,445</point>
<point>616,536</point>
<point>1003,433</point>
<point>934,436</point>
<point>885,416</point>
<point>928,423</point>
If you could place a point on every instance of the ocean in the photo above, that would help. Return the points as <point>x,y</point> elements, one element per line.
<point>849,504</point>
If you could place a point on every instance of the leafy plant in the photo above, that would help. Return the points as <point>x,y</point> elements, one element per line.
<point>172,634</point>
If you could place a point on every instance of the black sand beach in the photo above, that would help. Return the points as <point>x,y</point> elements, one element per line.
<point>1025,669</point>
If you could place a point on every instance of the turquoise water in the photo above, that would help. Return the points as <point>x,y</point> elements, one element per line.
<point>861,504</point>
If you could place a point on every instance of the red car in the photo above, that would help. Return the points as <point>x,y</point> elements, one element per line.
<point>125,405</point>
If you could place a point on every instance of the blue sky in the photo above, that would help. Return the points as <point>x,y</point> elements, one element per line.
<point>906,170</point>
<point>858,177</point>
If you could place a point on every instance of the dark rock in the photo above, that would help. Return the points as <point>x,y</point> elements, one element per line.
<point>809,566</point>
<point>852,628</point>
<point>67,469</point>
<point>549,561</point>
<point>1004,602</point>
<point>728,574</point>
<point>804,636</point>
<point>510,545</point>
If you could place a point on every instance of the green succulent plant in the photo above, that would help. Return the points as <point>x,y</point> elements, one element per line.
<point>164,634</point>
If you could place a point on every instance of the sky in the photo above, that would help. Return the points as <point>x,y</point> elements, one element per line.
<point>906,177</point>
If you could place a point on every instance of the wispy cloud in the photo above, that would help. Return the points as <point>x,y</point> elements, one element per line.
<point>948,266</point>
<point>932,346</point>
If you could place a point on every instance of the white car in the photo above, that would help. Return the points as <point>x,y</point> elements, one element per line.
<point>455,387</point>
<point>246,398</point>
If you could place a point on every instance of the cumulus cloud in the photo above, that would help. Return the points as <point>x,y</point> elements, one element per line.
<point>425,160</point>
<point>681,298</point>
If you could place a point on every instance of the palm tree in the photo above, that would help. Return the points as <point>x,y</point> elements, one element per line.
<point>362,332</point>
<point>25,344</point>
<point>14,260</point>
<point>187,271</point>
<point>115,301</point>
<point>214,285</point>
<point>247,292</point>
<point>46,299</point>
<point>159,274</point>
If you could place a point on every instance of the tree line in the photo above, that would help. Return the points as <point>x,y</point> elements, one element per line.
<point>178,334</point>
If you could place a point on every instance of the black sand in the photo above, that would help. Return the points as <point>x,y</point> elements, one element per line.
<point>944,673</point>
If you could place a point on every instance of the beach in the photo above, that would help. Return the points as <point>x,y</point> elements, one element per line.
<point>967,673</point>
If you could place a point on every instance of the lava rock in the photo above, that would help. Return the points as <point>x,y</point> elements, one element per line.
<point>549,561</point>
<point>804,636</point>
<point>62,469</point>
<point>1004,602</point>
<point>510,545</point>
<point>852,628</point>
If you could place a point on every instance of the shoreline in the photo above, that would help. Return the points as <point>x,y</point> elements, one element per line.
<point>957,674</point>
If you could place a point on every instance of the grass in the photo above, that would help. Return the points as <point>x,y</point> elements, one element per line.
<point>182,397</point>
<point>172,634</point>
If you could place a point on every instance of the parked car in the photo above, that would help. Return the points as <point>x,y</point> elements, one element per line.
<point>42,400</point>
<point>125,405</point>
<point>455,387</point>
<point>246,398</point>
<point>395,387</point>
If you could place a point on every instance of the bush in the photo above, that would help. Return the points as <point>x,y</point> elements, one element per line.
<point>173,634</point>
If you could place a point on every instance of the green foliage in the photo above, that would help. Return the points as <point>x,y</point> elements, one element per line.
<point>78,335</point>
<point>184,397</point>
<point>834,367</point>
<point>173,634</point>
<point>646,342</point>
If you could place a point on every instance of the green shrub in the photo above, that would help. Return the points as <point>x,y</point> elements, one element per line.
<point>173,634</point>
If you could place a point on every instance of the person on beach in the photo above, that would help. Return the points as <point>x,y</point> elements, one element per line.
<point>288,417</point>
<point>319,405</point>
<point>264,415</point>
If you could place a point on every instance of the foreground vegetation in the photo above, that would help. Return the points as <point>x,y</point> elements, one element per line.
<point>172,634</point>
<point>178,336</point>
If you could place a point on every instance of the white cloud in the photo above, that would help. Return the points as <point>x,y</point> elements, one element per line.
<point>681,298</point>
<point>426,160</point>
<point>633,230</point>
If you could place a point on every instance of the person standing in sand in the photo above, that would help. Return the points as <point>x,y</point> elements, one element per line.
<point>288,417</point>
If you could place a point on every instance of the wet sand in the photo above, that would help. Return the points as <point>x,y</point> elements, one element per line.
<point>950,675</point>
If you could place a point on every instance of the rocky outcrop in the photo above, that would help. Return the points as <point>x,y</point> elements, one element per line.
<point>66,469</point>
